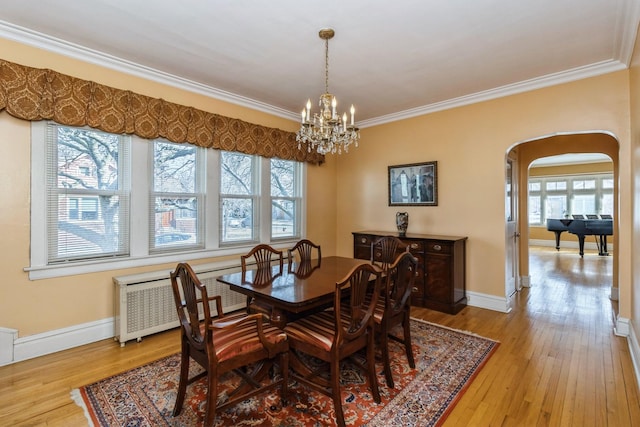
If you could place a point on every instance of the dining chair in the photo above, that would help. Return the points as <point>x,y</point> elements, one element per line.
<point>264,257</point>
<point>224,343</point>
<point>337,333</point>
<point>393,309</point>
<point>304,250</point>
<point>384,251</point>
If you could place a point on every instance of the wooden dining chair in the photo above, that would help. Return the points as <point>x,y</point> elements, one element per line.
<point>265,257</point>
<point>303,250</point>
<point>224,343</point>
<point>384,251</point>
<point>393,308</point>
<point>337,333</point>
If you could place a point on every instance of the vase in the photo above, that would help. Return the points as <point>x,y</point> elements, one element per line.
<point>402,222</point>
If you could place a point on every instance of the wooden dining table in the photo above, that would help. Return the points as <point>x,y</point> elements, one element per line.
<point>300,288</point>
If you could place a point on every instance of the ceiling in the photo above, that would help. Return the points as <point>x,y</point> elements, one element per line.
<point>392,60</point>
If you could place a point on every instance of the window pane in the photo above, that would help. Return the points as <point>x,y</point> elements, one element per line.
<point>606,205</point>
<point>237,223</point>
<point>607,183</point>
<point>583,204</point>
<point>282,218</point>
<point>535,205</point>
<point>534,186</point>
<point>175,222</point>
<point>87,206</point>
<point>556,206</point>
<point>282,178</point>
<point>556,185</point>
<point>174,168</point>
<point>589,184</point>
<point>236,174</point>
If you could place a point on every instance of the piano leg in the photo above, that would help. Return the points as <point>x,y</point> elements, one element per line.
<point>581,242</point>
<point>558,233</point>
<point>602,247</point>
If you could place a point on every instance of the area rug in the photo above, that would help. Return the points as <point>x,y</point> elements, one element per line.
<point>447,360</point>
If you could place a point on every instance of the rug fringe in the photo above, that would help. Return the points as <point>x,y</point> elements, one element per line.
<point>473,334</point>
<point>77,398</point>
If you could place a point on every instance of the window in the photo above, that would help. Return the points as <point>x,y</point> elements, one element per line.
<point>285,199</point>
<point>177,198</point>
<point>557,197</point>
<point>87,216</point>
<point>238,196</point>
<point>92,211</point>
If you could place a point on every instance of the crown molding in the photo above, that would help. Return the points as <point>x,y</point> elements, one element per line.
<point>72,50</point>
<point>512,89</point>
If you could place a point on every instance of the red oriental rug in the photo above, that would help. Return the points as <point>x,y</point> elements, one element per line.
<point>447,360</point>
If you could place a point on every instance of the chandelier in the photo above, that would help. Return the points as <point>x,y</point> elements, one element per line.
<point>326,131</point>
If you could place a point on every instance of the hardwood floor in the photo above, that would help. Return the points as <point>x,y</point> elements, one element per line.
<point>559,363</point>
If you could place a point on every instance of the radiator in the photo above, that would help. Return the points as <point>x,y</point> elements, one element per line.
<point>144,302</point>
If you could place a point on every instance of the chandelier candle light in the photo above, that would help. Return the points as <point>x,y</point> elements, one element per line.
<point>327,132</point>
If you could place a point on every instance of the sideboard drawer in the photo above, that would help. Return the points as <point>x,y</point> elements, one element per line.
<point>438,247</point>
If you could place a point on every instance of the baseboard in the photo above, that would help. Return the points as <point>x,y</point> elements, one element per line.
<point>490,302</point>
<point>634,349</point>
<point>567,245</point>
<point>525,281</point>
<point>54,341</point>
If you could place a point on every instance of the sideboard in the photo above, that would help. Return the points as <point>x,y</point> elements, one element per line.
<point>440,283</point>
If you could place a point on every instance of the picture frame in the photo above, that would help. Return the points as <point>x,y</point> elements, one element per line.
<point>413,184</point>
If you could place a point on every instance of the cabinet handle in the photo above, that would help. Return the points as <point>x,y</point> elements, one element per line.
<point>414,246</point>
<point>415,289</point>
<point>437,247</point>
<point>363,240</point>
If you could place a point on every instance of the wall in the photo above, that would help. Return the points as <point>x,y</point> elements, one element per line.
<point>634,157</point>
<point>34,307</point>
<point>470,144</point>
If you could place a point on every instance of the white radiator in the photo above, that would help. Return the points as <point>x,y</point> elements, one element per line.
<point>144,302</point>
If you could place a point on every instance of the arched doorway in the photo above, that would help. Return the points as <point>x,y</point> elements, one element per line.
<point>527,151</point>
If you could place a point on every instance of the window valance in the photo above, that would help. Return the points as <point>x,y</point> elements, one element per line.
<point>42,94</point>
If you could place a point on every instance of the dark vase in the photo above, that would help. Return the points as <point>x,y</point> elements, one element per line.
<point>402,222</point>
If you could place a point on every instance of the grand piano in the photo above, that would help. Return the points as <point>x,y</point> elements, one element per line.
<point>600,228</point>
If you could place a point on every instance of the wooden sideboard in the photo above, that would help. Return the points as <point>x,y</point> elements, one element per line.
<point>440,284</point>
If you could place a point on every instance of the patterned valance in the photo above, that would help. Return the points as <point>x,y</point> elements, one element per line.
<point>41,94</point>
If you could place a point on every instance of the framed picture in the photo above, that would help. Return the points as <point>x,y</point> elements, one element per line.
<point>415,184</point>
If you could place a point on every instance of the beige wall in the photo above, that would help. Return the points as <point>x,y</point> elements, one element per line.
<point>470,144</point>
<point>39,306</point>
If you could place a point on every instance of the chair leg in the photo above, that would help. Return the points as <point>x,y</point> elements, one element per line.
<point>284,368</point>
<point>212,399</point>
<point>335,391</point>
<point>407,340</point>
<point>182,382</point>
<point>384,348</point>
<point>371,367</point>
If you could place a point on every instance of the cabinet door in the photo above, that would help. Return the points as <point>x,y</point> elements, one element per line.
<point>438,286</point>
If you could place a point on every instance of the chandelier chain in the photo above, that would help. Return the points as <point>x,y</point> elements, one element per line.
<point>326,66</point>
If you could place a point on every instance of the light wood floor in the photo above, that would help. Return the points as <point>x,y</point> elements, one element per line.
<point>559,363</point>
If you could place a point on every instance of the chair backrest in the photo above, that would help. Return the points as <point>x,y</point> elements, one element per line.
<point>192,302</point>
<point>384,251</point>
<point>305,249</point>
<point>264,256</point>
<point>355,300</point>
<point>399,281</point>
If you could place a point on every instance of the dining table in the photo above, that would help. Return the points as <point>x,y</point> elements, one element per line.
<point>300,288</point>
